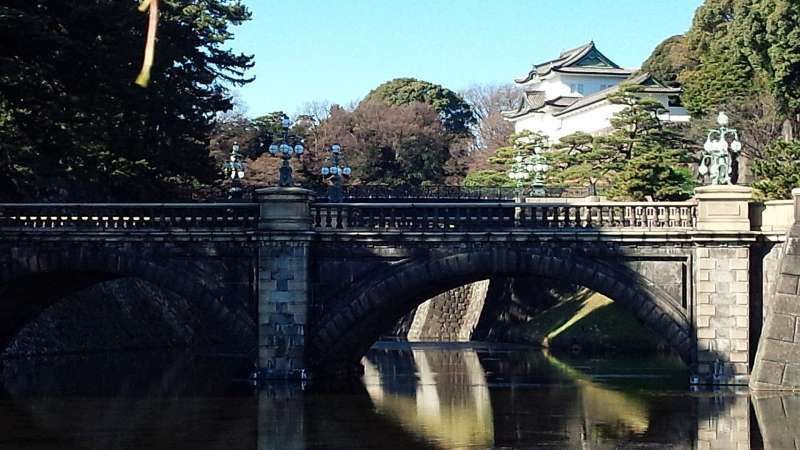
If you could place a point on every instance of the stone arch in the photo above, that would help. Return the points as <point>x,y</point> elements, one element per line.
<point>32,279</point>
<point>353,324</point>
<point>777,363</point>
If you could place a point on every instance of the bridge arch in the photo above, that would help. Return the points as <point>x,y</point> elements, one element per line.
<point>32,279</point>
<point>352,324</point>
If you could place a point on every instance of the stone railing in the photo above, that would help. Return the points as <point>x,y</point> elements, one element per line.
<point>112,216</point>
<point>502,216</point>
<point>775,216</point>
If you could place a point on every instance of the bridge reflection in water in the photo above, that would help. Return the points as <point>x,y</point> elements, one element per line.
<point>422,396</point>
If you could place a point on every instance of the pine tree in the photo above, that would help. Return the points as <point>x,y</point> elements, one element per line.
<point>75,125</point>
<point>779,170</point>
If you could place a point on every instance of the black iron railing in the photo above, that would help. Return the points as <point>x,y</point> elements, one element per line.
<point>371,193</point>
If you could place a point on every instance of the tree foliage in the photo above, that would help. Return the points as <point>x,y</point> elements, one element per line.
<point>456,115</point>
<point>641,158</point>
<point>404,144</point>
<point>72,123</point>
<point>669,59</point>
<point>779,170</point>
<point>500,162</point>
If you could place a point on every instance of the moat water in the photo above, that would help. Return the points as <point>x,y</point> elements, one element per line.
<point>426,396</point>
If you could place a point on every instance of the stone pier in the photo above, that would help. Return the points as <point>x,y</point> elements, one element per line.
<point>722,287</point>
<point>284,289</point>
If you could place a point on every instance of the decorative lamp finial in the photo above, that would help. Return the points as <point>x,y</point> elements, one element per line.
<point>722,119</point>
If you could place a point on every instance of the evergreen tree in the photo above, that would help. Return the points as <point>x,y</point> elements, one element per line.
<point>779,171</point>
<point>577,161</point>
<point>456,114</point>
<point>74,125</point>
<point>641,157</point>
<point>524,143</point>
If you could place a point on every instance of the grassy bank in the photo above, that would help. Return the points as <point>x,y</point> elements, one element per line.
<point>588,323</point>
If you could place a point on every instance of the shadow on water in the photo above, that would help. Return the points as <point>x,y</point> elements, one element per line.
<point>412,396</point>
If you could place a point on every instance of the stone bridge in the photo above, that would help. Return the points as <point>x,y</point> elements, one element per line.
<point>322,282</point>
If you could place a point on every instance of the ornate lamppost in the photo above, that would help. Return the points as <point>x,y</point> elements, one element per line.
<point>716,160</point>
<point>335,169</point>
<point>289,145</point>
<point>234,168</point>
<point>524,167</point>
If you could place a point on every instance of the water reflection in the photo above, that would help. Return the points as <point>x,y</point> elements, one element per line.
<point>444,398</point>
<point>411,397</point>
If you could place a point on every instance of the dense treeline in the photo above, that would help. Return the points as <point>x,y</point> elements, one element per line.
<point>743,57</point>
<point>74,126</point>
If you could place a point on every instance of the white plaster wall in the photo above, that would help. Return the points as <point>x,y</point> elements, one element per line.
<point>592,119</point>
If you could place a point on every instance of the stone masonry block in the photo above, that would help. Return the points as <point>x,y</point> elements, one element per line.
<point>791,376</point>
<point>706,264</point>
<point>782,328</point>
<point>771,372</point>
<point>786,304</point>
<point>740,311</point>
<point>703,298</point>
<point>739,357</point>
<point>739,333</point>
<point>703,321</point>
<point>706,333</point>
<point>787,284</point>
<point>791,264</point>
<point>740,345</point>
<point>705,286</point>
<point>706,345</point>
<point>704,275</point>
<point>706,310</point>
<point>742,253</point>
<point>702,253</point>
<point>740,287</point>
<point>742,275</point>
<point>781,351</point>
<point>739,264</point>
<point>742,299</point>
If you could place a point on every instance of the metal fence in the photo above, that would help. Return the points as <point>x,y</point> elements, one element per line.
<point>371,193</point>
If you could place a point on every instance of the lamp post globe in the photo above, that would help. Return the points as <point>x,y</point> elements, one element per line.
<point>287,147</point>
<point>335,170</point>
<point>235,168</point>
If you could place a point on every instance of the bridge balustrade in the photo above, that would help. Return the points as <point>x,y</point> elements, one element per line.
<point>112,216</point>
<point>502,216</point>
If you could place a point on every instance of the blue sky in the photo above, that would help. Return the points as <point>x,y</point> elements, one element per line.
<point>338,50</point>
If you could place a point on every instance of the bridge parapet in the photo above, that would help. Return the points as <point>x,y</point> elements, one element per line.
<point>127,216</point>
<point>455,217</point>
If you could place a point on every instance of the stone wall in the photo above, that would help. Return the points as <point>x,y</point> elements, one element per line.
<point>778,359</point>
<point>451,316</point>
<point>127,314</point>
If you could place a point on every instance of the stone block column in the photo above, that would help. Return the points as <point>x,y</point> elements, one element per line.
<point>722,285</point>
<point>283,281</point>
<point>777,365</point>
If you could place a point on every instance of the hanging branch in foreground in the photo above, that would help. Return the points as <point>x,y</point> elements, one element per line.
<point>149,51</point>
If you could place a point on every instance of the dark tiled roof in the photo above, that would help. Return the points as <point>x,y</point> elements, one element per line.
<point>569,62</point>
<point>530,101</point>
<point>563,101</point>
<point>648,83</point>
